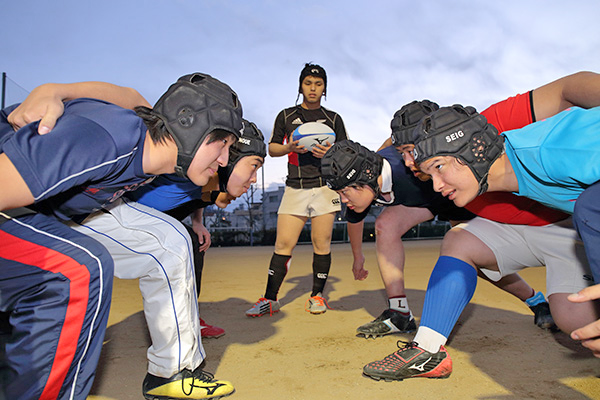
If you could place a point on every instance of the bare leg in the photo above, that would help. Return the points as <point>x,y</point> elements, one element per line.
<point>289,228</point>
<point>391,224</point>
<point>321,230</point>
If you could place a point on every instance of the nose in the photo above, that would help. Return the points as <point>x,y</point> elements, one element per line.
<point>253,177</point>
<point>438,184</point>
<point>223,157</point>
<point>343,198</point>
<point>409,160</point>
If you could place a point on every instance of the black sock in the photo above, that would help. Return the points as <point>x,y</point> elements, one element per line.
<point>277,271</point>
<point>321,265</point>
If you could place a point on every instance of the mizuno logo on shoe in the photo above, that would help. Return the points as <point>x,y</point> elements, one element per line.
<point>210,390</point>
<point>420,367</point>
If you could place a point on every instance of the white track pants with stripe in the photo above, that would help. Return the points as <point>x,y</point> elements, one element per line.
<point>149,245</point>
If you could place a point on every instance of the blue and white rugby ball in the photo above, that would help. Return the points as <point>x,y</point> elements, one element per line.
<point>312,133</point>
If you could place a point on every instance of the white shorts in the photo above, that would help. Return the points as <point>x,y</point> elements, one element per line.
<point>557,246</point>
<point>309,202</point>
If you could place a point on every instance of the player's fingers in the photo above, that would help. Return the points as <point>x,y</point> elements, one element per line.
<point>589,293</point>
<point>16,120</point>
<point>49,119</point>
<point>593,345</point>
<point>203,246</point>
<point>590,331</point>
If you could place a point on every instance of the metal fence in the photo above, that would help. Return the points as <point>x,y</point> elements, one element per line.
<point>11,91</point>
<point>226,236</point>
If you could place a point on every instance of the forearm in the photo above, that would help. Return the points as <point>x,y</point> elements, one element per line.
<point>119,95</point>
<point>278,150</point>
<point>355,233</point>
<point>388,142</point>
<point>581,89</point>
<point>197,219</point>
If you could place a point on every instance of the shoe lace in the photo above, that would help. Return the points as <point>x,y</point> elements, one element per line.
<point>320,301</point>
<point>406,345</point>
<point>261,300</point>
<point>200,375</point>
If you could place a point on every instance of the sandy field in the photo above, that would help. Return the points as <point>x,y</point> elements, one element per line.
<point>497,351</point>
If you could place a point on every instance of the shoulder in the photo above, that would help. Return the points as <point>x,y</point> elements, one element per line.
<point>511,113</point>
<point>286,112</point>
<point>123,125</point>
<point>331,114</point>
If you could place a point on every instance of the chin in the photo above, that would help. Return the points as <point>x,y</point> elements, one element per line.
<point>199,180</point>
<point>463,201</point>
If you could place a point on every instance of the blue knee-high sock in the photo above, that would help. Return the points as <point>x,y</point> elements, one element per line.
<point>451,287</point>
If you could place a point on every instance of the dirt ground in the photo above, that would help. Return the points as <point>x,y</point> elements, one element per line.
<point>497,351</point>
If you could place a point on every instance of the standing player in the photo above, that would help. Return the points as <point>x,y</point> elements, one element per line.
<point>306,195</point>
<point>498,249</point>
<point>49,268</point>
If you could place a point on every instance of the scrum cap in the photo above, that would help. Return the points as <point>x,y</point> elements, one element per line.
<point>193,107</point>
<point>251,143</point>
<point>313,70</point>
<point>463,133</point>
<point>406,119</point>
<point>348,163</point>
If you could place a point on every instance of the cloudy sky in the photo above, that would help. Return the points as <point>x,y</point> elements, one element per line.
<point>378,55</point>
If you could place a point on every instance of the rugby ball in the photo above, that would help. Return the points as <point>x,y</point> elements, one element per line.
<point>310,134</point>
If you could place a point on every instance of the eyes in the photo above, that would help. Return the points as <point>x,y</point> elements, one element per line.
<point>308,82</point>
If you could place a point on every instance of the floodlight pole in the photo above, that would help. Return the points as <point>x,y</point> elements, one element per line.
<point>264,228</point>
<point>3,88</point>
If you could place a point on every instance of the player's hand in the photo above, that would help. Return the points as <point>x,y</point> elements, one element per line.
<point>319,150</point>
<point>43,105</point>
<point>358,268</point>
<point>589,335</point>
<point>296,148</point>
<point>203,235</point>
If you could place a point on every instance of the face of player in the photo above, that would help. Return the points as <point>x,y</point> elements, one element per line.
<point>224,199</point>
<point>312,91</point>
<point>452,178</point>
<point>409,160</point>
<point>208,158</point>
<point>243,175</point>
<point>357,198</point>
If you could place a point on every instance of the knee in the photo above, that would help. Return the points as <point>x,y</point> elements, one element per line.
<point>322,245</point>
<point>389,231</point>
<point>382,229</point>
<point>569,316</point>
<point>451,244</point>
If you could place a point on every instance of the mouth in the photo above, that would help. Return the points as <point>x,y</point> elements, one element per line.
<point>451,194</point>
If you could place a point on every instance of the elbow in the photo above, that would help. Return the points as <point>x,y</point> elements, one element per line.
<point>137,98</point>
